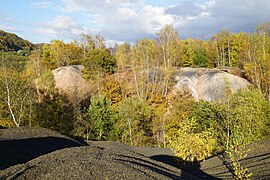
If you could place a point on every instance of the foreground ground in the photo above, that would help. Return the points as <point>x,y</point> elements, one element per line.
<point>37,153</point>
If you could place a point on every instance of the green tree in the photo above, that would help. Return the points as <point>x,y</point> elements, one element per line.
<point>51,109</point>
<point>183,136</point>
<point>200,58</point>
<point>210,116</point>
<point>187,52</point>
<point>250,116</point>
<point>100,117</point>
<point>123,57</point>
<point>16,93</point>
<point>11,42</point>
<point>135,120</point>
<point>99,63</point>
<point>55,112</point>
<point>16,61</point>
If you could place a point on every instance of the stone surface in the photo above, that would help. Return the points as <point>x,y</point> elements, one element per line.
<point>208,84</point>
<point>69,80</point>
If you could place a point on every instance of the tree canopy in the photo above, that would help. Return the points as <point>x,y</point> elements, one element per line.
<point>12,42</point>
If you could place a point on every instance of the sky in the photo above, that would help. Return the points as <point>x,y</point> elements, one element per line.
<point>41,21</point>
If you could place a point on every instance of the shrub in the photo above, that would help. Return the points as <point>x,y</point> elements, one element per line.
<point>187,144</point>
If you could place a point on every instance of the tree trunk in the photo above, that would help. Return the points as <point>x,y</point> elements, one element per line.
<point>130,133</point>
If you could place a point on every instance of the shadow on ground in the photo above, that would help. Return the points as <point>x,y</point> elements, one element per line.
<point>14,152</point>
<point>187,170</point>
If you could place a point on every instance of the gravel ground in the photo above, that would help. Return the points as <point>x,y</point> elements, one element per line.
<point>37,153</point>
<point>257,162</point>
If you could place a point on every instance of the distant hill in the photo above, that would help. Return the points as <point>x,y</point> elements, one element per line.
<point>12,42</point>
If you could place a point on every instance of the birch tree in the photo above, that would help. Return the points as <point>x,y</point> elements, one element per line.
<point>167,42</point>
<point>16,92</point>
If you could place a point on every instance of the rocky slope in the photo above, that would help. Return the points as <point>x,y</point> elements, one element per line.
<point>69,81</point>
<point>207,84</point>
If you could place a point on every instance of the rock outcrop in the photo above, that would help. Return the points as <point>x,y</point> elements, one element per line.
<point>208,84</point>
<point>69,81</point>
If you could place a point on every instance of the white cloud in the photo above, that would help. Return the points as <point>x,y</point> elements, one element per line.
<point>126,24</point>
<point>185,8</point>
<point>6,19</point>
<point>215,15</point>
<point>44,5</point>
<point>62,27</point>
<point>154,18</point>
<point>131,20</point>
<point>82,5</point>
<point>97,5</point>
<point>8,28</point>
<point>8,24</point>
<point>122,20</point>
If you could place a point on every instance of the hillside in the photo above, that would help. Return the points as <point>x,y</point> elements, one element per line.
<point>208,84</point>
<point>12,42</point>
<point>38,153</point>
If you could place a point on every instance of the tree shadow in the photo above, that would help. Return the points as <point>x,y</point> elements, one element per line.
<point>189,170</point>
<point>14,152</point>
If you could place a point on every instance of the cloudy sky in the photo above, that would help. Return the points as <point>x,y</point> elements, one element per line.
<point>128,20</point>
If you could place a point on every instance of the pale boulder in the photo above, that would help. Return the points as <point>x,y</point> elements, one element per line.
<point>69,81</point>
<point>208,84</point>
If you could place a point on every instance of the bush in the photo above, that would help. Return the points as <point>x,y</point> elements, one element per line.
<point>249,113</point>
<point>6,123</point>
<point>197,130</point>
<point>135,121</point>
<point>54,112</point>
<point>187,144</point>
<point>99,115</point>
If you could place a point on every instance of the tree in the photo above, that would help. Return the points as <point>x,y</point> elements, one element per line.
<point>256,62</point>
<point>200,58</point>
<point>87,44</point>
<point>100,118</point>
<point>98,63</point>
<point>263,29</point>
<point>135,120</point>
<point>59,53</point>
<point>167,42</point>
<point>35,65</point>
<point>123,57</point>
<point>250,116</point>
<point>187,52</point>
<point>51,109</point>
<point>16,92</point>
<point>144,68</point>
<point>54,112</point>
<point>11,42</point>
<point>113,90</point>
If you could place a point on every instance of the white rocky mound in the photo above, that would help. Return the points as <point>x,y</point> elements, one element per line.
<point>69,81</point>
<point>206,84</point>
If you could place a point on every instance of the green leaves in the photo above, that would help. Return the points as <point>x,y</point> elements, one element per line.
<point>11,42</point>
<point>55,112</point>
<point>250,113</point>
<point>100,118</point>
<point>135,122</point>
<point>200,58</point>
<point>100,60</point>
<point>201,129</point>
